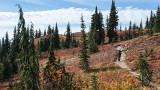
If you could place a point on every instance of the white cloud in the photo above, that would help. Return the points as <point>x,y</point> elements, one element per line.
<point>42,19</point>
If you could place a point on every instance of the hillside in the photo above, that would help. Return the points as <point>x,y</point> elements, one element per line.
<point>135,46</point>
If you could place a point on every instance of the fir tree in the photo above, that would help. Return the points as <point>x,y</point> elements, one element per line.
<point>129,33</point>
<point>49,30</point>
<point>120,28</point>
<point>147,24</point>
<point>51,57</point>
<point>97,23</point>
<point>7,44</point>
<point>36,35</point>
<point>92,45</point>
<point>134,31</point>
<point>157,21</point>
<point>28,65</point>
<point>145,69</point>
<point>56,38</point>
<point>39,33</point>
<point>68,37</point>
<point>34,63</point>
<point>112,23</point>
<point>107,23</point>
<point>44,34</point>
<point>62,44</point>
<point>52,31</point>
<point>150,30</point>
<point>141,29</point>
<point>101,29</point>
<point>83,63</point>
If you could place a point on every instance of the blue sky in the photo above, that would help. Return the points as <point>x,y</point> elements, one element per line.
<point>45,12</point>
<point>41,5</point>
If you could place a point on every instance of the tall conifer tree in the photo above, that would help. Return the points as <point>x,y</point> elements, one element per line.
<point>56,38</point>
<point>83,63</point>
<point>157,21</point>
<point>112,23</point>
<point>150,30</point>
<point>68,37</point>
<point>28,65</point>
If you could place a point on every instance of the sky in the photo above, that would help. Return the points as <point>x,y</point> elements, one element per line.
<point>45,12</point>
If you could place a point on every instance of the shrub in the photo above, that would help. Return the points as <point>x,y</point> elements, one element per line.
<point>158,40</point>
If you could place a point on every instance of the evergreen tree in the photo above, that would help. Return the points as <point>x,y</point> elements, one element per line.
<point>7,44</point>
<point>129,33</point>
<point>83,63</point>
<point>134,31</point>
<point>145,69</point>
<point>36,35</point>
<point>94,21</point>
<point>141,29</point>
<point>147,24</point>
<point>107,23</point>
<point>39,33</point>
<point>101,29</point>
<point>34,63</point>
<point>68,37</point>
<point>0,45</point>
<point>112,23</point>
<point>52,31</point>
<point>14,32</point>
<point>49,30</point>
<point>97,23</point>
<point>62,44</point>
<point>157,21</point>
<point>3,51</point>
<point>28,65</point>
<point>51,57</point>
<point>56,38</point>
<point>150,30</point>
<point>44,34</point>
<point>120,28</point>
<point>92,45</point>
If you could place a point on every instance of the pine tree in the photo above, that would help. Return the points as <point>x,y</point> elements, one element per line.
<point>52,31</point>
<point>112,23</point>
<point>62,44</point>
<point>34,63</point>
<point>83,63</point>
<point>147,24</point>
<point>28,65</point>
<point>97,23</point>
<point>141,28</point>
<point>107,23</point>
<point>44,34</point>
<point>39,33</point>
<point>92,45</point>
<point>129,33</point>
<point>68,37</point>
<point>49,30</point>
<point>36,35</point>
<point>3,50</point>
<point>150,30</point>
<point>7,44</point>
<point>145,69</point>
<point>134,31</point>
<point>101,29</point>
<point>56,38</point>
<point>51,57</point>
<point>157,21</point>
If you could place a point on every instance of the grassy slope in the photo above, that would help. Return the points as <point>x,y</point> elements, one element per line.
<point>134,46</point>
<point>101,63</point>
